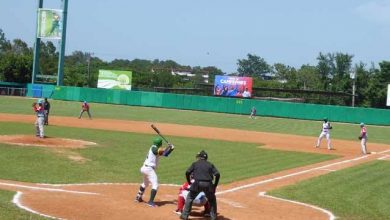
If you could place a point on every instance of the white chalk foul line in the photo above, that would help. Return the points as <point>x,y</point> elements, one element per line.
<point>329,213</point>
<point>295,174</point>
<point>16,201</point>
<point>288,175</point>
<point>47,189</point>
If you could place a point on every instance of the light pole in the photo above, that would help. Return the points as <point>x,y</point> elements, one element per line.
<point>88,69</point>
<point>352,74</point>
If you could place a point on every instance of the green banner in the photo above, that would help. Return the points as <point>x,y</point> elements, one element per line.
<point>114,79</point>
<point>49,24</point>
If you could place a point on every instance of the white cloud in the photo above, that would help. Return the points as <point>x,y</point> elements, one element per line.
<point>376,11</point>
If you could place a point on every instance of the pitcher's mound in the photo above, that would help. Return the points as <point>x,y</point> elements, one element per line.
<point>51,142</point>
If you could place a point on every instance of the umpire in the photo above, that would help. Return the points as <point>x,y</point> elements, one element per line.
<point>203,173</point>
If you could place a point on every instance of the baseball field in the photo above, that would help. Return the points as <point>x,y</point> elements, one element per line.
<point>89,169</point>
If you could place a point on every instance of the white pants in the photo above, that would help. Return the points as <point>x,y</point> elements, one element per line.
<point>363,145</point>
<point>150,177</point>
<point>322,135</point>
<point>39,126</point>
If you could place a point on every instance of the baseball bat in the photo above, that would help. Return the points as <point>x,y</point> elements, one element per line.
<point>159,133</point>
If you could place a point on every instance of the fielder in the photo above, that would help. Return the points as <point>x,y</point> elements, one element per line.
<point>363,138</point>
<point>85,108</point>
<point>149,167</point>
<point>325,132</point>
<point>39,122</point>
<point>253,113</point>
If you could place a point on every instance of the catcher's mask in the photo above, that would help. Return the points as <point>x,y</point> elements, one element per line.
<point>202,155</point>
<point>157,141</point>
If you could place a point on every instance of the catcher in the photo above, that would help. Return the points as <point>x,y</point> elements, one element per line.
<point>200,200</point>
<point>149,167</point>
<point>363,138</point>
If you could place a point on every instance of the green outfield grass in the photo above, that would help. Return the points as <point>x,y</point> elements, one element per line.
<point>378,134</point>
<point>360,192</point>
<point>9,211</point>
<point>119,155</point>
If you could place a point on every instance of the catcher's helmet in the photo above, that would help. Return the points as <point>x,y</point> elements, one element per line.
<point>157,141</point>
<point>202,155</point>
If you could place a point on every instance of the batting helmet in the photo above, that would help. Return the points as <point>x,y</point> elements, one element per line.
<point>361,124</point>
<point>202,155</point>
<point>325,119</point>
<point>157,141</point>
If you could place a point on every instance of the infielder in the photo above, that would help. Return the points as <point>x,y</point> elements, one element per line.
<point>85,108</point>
<point>149,167</point>
<point>363,138</point>
<point>325,132</point>
<point>39,122</point>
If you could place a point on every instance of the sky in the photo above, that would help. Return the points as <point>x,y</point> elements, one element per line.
<point>214,32</point>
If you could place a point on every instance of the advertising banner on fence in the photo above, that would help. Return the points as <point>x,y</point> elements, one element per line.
<point>114,79</point>
<point>233,86</point>
<point>388,95</point>
<point>49,24</point>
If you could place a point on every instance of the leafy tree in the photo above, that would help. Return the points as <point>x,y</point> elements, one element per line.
<point>15,61</point>
<point>287,75</point>
<point>48,58</point>
<point>5,45</point>
<point>253,66</point>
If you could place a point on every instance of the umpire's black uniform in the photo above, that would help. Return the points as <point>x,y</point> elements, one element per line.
<point>203,173</point>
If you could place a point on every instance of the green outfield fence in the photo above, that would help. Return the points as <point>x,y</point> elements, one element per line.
<point>214,104</point>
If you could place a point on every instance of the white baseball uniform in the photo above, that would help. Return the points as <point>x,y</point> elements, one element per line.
<point>363,142</point>
<point>325,133</point>
<point>149,169</point>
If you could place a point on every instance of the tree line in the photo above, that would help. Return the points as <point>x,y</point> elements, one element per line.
<point>331,73</point>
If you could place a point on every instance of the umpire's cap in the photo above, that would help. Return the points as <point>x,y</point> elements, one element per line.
<point>157,141</point>
<point>202,155</point>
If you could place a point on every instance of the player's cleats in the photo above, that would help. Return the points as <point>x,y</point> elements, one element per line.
<point>152,204</point>
<point>138,199</point>
<point>177,211</point>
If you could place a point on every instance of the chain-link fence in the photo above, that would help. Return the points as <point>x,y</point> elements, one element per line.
<point>13,91</point>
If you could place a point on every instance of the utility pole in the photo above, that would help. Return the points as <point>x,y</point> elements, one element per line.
<point>88,68</point>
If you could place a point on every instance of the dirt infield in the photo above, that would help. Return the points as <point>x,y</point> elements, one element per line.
<point>239,200</point>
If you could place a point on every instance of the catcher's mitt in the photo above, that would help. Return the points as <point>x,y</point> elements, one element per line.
<point>360,137</point>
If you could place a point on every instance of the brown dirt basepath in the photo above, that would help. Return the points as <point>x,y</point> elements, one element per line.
<point>239,200</point>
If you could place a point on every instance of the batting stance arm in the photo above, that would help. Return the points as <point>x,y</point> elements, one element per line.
<point>166,151</point>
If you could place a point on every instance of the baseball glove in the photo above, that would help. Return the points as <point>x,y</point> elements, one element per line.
<point>360,137</point>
